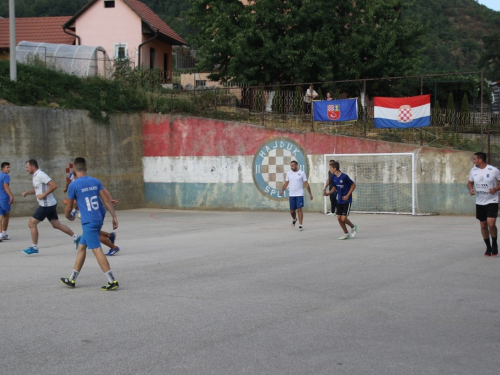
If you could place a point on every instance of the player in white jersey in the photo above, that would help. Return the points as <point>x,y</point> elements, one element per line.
<point>295,181</point>
<point>43,186</point>
<point>484,184</point>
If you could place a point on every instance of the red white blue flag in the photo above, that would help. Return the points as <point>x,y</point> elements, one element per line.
<point>412,112</point>
<point>336,110</point>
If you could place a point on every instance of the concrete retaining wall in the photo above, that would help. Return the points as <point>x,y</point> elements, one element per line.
<point>55,137</point>
<point>207,164</point>
<point>189,162</point>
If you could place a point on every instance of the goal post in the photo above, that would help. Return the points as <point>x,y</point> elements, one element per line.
<point>385,183</point>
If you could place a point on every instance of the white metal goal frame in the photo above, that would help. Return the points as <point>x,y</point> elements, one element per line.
<point>413,187</point>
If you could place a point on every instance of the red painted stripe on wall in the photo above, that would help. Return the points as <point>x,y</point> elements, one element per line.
<point>194,136</point>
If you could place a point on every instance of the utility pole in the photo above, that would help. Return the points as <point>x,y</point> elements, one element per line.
<point>12,31</point>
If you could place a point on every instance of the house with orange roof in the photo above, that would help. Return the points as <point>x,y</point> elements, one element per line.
<point>128,30</point>
<point>34,29</point>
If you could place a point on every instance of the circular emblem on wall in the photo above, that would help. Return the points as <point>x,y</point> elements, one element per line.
<point>271,163</point>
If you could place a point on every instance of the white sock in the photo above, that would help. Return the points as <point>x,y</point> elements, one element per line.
<point>75,236</point>
<point>110,276</point>
<point>74,275</point>
<point>35,246</point>
<point>4,233</point>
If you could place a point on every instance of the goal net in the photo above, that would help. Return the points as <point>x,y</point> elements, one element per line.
<point>385,183</point>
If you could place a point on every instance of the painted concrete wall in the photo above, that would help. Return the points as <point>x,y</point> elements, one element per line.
<point>55,137</point>
<point>189,162</point>
<point>201,163</point>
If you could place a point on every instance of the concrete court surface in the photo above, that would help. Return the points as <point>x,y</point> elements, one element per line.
<point>243,293</point>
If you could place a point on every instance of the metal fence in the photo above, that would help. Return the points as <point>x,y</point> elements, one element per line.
<point>284,107</point>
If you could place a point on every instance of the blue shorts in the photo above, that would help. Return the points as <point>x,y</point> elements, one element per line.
<point>46,212</point>
<point>90,236</point>
<point>296,202</point>
<point>4,207</point>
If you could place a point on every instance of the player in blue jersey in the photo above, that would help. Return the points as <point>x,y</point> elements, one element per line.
<point>90,196</point>
<point>328,187</point>
<point>106,238</point>
<point>344,186</point>
<point>6,199</point>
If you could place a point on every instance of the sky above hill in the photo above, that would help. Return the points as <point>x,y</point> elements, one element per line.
<point>492,4</point>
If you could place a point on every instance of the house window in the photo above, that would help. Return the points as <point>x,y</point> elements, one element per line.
<point>121,52</point>
<point>109,3</point>
<point>200,83</point>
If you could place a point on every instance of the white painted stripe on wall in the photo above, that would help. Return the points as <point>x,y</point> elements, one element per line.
<point>213,169</point>
<point>198,169</point>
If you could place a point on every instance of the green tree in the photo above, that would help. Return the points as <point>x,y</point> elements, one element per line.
<point>450,109</point>
<point>286,41</point>
<point>490,59</point>
<point>465,104</point>
<point>465,108</point>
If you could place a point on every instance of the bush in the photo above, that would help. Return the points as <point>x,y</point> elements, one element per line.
<point>127,92</point>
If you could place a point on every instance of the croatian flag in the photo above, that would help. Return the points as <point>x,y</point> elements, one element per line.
<point>412,112</point>
<point>336,110</point>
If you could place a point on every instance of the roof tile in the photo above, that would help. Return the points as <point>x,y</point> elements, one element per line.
<point>36,29</point>
<point>152,18</point>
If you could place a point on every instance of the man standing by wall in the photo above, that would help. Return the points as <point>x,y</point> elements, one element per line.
<point>43,186</point>
<point>308,98</point>
<point>328,187</point>
<point>6,199</point>
<point>484,184</point>
<point>297,180</point>
<point>344,186</point>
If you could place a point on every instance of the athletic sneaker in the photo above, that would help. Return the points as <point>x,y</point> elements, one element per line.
<point>5,237</point>
<point>30,250</point>
<point>329,214</point>
<point>113,251</point>
<point>300,227</point>
<point>68,282</point>
<point>354,231</point>
<point>293,223</point>
<point>494,251</point>
<point>345,237</point>
<point>112,237</point>
<point>77,242</point>
<point>486,254</point>
<point>110,286</point>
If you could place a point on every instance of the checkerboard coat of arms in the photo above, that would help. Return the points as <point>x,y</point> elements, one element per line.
<point>405,114</point>
<point>272,162</point>
<point>333,112</point>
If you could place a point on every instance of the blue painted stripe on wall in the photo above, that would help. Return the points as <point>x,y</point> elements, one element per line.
<point>451,198</point>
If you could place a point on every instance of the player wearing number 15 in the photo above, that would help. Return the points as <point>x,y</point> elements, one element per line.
<point>88,192</point>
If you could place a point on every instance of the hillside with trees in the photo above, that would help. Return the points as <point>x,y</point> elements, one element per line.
<point>459,34</point>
